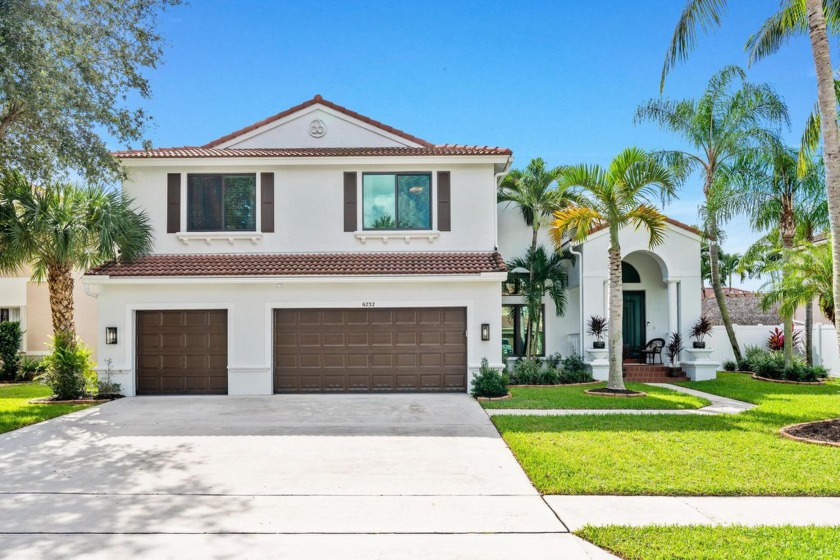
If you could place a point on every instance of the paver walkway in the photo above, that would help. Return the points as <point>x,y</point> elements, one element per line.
<point>285,476</point>
<point>719,405</point>
<point>577,511</point>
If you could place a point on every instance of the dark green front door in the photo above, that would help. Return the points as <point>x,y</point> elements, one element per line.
<point>633,323</point>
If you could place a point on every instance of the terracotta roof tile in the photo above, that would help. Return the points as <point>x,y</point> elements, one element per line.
<point>198,152</point>
<point>317,100</point>
<point>306,264</point>
<point>671,221</point>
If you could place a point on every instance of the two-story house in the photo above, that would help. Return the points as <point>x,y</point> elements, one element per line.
<point>316,250</point>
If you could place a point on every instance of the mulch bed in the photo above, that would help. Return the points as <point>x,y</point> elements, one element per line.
<point>504,398</point>
<point>607,392</point>
<point>759,378</point>
<point>823,432</point>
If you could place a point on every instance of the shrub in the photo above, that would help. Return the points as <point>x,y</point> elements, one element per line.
<point>526,371</point>
<point>489,382</point>
<point>701,328</point>
<point>30,368</point>
<point>730,365</point>
<point>69,368</point>
<point>10,338</point>
<point>674,347</point>
<point>574,370</point>
<point>107,386</point>
<point>776,340</point>
<point>597,327</point>
<point>772,366</point>
<point>554,360</point>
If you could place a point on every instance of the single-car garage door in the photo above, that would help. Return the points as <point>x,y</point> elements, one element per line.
<point>182,352</point>
<point>412,349</point>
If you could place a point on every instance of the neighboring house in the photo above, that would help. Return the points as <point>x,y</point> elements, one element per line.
<point>29,302</point>
<point>316,250</point>
<point>661,286</point>
<point>745,308</point>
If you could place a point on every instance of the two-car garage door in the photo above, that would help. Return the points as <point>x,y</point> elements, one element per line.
<point>406,349</point>
<point>334,350</point>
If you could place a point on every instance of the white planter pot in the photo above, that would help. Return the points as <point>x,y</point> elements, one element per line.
<point>699,366</point>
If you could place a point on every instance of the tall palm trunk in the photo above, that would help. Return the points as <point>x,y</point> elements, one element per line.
<point>60,285</point>
<point>809,333</point>
<point>787,321</point>
<point>614,333</point>
<point>827,100</point>
<point>714,265</point>
<point>529,328</point>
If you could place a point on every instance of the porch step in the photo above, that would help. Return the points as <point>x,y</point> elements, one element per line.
<point>649,373</point>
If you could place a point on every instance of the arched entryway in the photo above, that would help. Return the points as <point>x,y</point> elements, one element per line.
<point>645,314</point>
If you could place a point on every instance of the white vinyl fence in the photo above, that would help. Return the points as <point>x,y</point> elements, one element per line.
<point>824,349</point>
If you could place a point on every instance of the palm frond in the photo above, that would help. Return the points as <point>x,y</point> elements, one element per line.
<point>777,30</point>
<point>697,16</point>
<point>650,218</point>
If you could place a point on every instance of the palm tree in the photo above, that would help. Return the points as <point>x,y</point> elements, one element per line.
<point>729,266</point>
<point>725,128</point>
<point>621,195</point>
<point>58,228</point>
<point>808,275</point>
<point>777,199</point>
<point>797,17</point>
<point>548,277</point>
<point>535,191</point>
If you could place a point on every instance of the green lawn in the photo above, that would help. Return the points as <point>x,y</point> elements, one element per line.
<point>575,397</point>
<point>16,412</point>
<point>739,454</point>
<point>717,543</point>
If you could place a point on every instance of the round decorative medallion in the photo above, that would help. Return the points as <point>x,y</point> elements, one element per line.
<point>317,128</point>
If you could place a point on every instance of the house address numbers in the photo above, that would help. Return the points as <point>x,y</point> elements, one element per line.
<point>368,304</point>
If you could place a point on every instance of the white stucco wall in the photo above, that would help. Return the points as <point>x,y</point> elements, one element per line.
<point>309,207</point>
<point>250,304</point>
<point>340,131</point>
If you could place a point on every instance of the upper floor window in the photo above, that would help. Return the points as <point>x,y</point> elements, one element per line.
<point>218,202</point>
<point>397,200</point>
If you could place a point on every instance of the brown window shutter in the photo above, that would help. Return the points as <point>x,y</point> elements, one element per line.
<point>267,202</point>
<point>173,202</point>
<point>350,201</point>
<point>444,209</point>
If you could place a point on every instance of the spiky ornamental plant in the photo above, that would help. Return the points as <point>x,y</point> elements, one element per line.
<point>621,195</point>
<point>58,228</point>
<point>726,129</point>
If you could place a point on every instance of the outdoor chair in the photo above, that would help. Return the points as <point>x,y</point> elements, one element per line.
<point>653,349</point>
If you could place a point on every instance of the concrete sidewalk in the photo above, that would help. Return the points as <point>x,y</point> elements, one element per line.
<point>719,405</point>
<point>285,476</point>
<point>577,511</point>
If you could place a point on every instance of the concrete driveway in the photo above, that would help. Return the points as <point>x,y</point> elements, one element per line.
<point>286,476</point>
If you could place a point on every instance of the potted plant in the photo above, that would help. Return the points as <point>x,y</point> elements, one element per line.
<point>597,326</point>
<point>672,350</point>
<point>700,329</point>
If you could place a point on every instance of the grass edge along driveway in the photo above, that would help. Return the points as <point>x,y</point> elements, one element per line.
<point>721,455</point>
<point>16,412</point>
<point>574,397</point>
<point>658,542</point>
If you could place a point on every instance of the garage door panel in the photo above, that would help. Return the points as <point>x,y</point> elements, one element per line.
<point>182,352</point>
<point>357,339</point>
<point>370,349</point>
<point>312,339</point>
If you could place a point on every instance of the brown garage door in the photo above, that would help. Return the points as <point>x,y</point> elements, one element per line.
<point>418,349</point>
<point>182,352</point>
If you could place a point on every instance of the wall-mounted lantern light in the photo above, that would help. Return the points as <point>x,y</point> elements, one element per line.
<point>110,335</point>
<point>485,331</point>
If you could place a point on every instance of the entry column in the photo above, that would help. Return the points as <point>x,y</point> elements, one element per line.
<point>673,303</point>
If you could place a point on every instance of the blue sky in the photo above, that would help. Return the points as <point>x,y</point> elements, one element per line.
<point>557,79</point>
